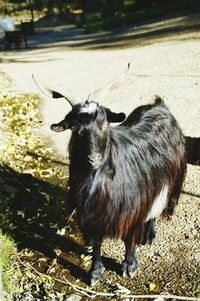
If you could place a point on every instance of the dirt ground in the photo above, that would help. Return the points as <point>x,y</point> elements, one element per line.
<point>165,61</point>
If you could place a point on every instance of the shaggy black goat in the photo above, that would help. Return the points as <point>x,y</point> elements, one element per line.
<point>122,178</point>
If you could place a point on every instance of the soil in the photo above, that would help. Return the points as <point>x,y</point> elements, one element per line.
<point>165,61</point>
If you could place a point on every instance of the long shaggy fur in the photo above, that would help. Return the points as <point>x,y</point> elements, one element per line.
<point>142,155</point>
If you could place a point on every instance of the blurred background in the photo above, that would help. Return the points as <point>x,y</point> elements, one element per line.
<point>32,16</point>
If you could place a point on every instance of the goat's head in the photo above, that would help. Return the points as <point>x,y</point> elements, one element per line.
<point>89,123</point>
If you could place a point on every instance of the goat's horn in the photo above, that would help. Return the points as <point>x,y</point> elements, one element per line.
<point>100,93</point>
<point>54,94</point>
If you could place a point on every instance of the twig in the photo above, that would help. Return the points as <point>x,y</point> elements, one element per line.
<point>72,214</point>
<point>82,290</point>
<point>162,297</point>
<point>92,294</point>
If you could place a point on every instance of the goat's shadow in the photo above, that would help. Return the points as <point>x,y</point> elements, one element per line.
<point>111,264</point>
<point>33,211</point>
<point>193,150</point>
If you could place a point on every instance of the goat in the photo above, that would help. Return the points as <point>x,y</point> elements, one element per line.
<point>122,178</point>
<point>17,37</point>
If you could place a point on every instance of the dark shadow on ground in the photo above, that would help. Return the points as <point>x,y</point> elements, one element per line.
<point>32,211</point>
<point>112,265</point>
<point>193,150</point>
<point>191,194</point>
<point>137,36</point>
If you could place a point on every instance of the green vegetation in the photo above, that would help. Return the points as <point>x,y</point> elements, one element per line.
<point>9,266</point>
<point>96,22</point>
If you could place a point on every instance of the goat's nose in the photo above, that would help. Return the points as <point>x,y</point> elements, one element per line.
<point>94,159</point>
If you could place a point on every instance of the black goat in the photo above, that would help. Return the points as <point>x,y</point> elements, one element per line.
<point>122,178</point>
<point>17,37</point>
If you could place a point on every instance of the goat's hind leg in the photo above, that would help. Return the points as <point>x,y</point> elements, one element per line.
<point>97,265</point>
<point>150,232</point>
<point>130,263</point>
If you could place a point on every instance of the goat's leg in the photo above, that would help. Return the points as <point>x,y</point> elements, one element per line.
<point>130,263</point>
<point>150,232</point>
<point>97,265</point>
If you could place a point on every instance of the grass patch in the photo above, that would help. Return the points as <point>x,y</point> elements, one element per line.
<point>8,264</point>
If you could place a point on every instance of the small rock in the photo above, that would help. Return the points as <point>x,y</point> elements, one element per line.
<point>153,287</point>
<point>73,297</point>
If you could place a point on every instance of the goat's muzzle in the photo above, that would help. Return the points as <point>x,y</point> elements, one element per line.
<point>95,160</point>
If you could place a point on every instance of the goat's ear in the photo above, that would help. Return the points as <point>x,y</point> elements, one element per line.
<point>115,117</point>
<point>60,127</point>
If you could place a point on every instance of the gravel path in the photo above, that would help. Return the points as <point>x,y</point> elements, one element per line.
<point>165,61</point>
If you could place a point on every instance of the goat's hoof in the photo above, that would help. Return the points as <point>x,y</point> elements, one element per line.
<point>129,269</point>
<point>95,274</point>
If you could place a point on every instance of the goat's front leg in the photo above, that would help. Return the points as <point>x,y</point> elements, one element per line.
<point>130,263</point>
<point>97,265</point>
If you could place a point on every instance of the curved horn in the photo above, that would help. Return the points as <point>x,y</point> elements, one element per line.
<point>101,92</point>
<point>54,94</point>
